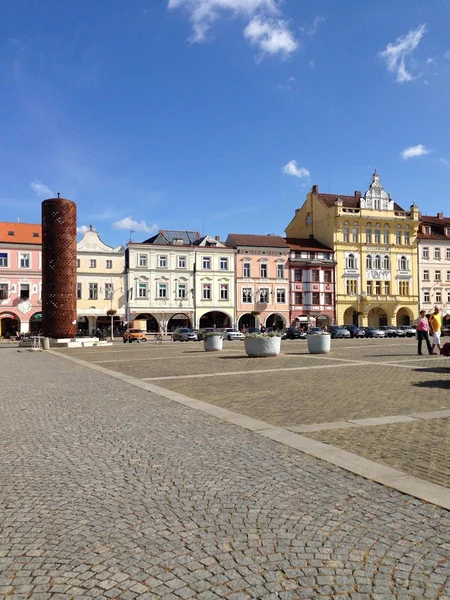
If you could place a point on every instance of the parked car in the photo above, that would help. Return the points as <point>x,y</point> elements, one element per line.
<point>134,335</point>
<point>229,333</point>
<point>184,334</point>
<point>338,332</point>
<point>315,330</point>
<point>292,333</point>
<point>399,331</point>
<point>374,332</point>
<point>355,331</point>
<point>253,330</point>
<point>201,332</point>
<point>445,330</point>
<point>388,330</point>
<point>409,330</point>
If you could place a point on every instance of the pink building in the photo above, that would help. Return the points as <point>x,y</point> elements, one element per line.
<point>311,276</point>
<point>262,281</point>
<point>20,278</point>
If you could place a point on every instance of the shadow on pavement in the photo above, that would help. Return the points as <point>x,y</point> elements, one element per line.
<point>437,383</point>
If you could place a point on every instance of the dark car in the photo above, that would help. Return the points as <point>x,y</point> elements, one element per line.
<point>445,330</point>
<point>374,332</point>
<point>292,333</point>
<point>355,331</point>
<point>338,332</point>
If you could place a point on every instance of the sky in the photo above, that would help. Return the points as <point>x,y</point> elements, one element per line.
<point>219,115</point>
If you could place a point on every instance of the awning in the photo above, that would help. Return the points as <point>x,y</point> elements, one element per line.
<point>302,319</point>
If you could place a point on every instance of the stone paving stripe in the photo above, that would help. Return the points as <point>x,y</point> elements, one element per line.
<point>437,414</point>
<point>382,420</point>
<point>393,478</point>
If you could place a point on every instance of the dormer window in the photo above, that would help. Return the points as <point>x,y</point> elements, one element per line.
<point>427,229</point>
<point>35,234</point>
<point>10,232</point>
<point>447,231</point>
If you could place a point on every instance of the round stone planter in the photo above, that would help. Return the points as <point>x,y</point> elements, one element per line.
<point>319,343</point>
<point>213,343</point>
<point>262,347</point>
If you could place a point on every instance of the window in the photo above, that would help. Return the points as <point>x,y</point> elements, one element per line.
<point>206,263</point>
<point>181,291</point>
<point>280,270</point>
<point>109,291</point>
<point>109,264</point>
<point>369,261</point>
<point>437,254</point>
<point>224,291</point>
<point>79,291</point>
<point>437,276</point>
<point>162,261</point>
<point>352,287</point>
<point>386,262</point>
<point>298,275</point>
<point>24,291</point>
<point>426,275</point>
<point>142,290</point>
<point>439,296</point>
<point>351,261</point>
<point>78,263</point>
<point>93,263</point>
<point>406,237</point>
<point>162,290</point>
<point>425,252</point>
<point>315,298</point>
<point>368,236</point>
<point>246,295</point>
<point>398,237</point>
<point>315,275</point>
<point>377,236</point>
<point>4,291</point>
<point>345,233</point>
<point>142,260</point>
<point>264,295</point>
<point>328,298</point>
<point>223,263</point>
<point>377,262</point>
<point>448,275</point>
<point>246,269</point>
<point>263,270</point>
<point>327,276</point>
<point>387,288</point>
<point>298,298</point>
<point>93,291</point>
<point>386,236</point>
<point>281,295</point>
<point>427,229</point>
<point>403,263</point>
<point>369,288</point>
<point>206,291</point>
<point>426,296</point>
<point>448,297</point>
<point>448,254</point>
<point>377,288</point>
<point>354,234</point>
<point>24,261</point>
<point>404,288</point>
<point>181,262</point>
<point>3,259</point>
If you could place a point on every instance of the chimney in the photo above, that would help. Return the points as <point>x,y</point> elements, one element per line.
<point>440,215</point>
<point>357,194</point>
<point>315,189</point>
<point>217,238</point>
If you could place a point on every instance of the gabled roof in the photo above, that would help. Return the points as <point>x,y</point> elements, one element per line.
<point>329,200</point>
<point>307,244</point>
<point>437,225</point>
<point>166,237</point>
<point>259,241</point>
<point>208,241</point>
<point>439,220</point>
<point>21,233</point>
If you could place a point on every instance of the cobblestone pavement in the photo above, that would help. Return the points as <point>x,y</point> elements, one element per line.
<point>109,491</point>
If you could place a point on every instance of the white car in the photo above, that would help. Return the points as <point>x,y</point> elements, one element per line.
<point>231,334</point>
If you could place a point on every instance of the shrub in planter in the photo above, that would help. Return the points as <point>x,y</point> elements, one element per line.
<point>319,343</point>
<point>262,345</point>
<point>212,342</point>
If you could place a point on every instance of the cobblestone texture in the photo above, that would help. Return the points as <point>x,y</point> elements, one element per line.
<point>109,491</point>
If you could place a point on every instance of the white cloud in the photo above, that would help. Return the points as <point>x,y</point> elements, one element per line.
<point>82,229</point>
<point>314,27</point>
<point>397,53</point>
<point>129,223</point>
<point>41,190</point>
<point>294,170</point>
<point>271,35</point>
<point>413,151</point>
<point>445,161</point>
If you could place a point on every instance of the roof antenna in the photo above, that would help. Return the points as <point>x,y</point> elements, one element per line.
<point>58,194</point>
<point>131,233</point>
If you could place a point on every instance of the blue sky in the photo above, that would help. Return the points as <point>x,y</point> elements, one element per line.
<point>219,115</point>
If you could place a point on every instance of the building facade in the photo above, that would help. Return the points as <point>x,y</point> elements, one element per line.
<point>262,280</point>
<point>20,278</point>
<point>374,241</point>
<point>100,284</point>
<point>180,279</point>
<point>434,264</point>
<point>311,278</point>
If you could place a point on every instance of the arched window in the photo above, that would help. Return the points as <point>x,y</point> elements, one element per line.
<point>369,261</point>
<point>351,261</point>
<point>403,263</point>
<point>386,262</point>
<point>377,262</point>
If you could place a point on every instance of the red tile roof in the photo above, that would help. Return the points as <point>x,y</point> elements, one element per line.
<point>437,225</point>
<point>306,244</point>
<point>260,241</point>
<point>20,233</point>
<point>435,220</point>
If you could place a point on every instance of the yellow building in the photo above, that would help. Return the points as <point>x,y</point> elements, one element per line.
<point>374,241</point>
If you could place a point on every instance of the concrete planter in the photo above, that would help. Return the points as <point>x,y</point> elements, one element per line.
<point>262,347</point>
<point>319,343</point>
<point>213,343</point>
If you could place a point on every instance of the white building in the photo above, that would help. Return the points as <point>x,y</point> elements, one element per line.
<point>434,264</point>
<point>180,279</point>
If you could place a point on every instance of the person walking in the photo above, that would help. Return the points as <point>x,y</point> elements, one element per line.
<point>435,325</point>
<point>422,329</point>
